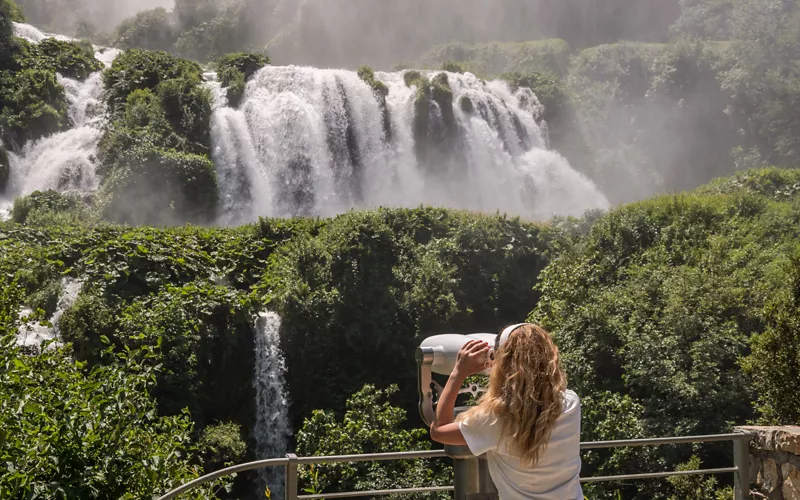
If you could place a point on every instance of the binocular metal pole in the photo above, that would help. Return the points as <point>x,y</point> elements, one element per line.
<point>472,480</point>
<point>471,474</point>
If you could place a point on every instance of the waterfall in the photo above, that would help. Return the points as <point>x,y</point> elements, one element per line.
<point>33,334</point>
<point>309,141</point>
<point>271,431</point>
<point>64,161</point>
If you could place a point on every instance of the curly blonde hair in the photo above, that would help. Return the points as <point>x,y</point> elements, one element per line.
<point>525,393</point>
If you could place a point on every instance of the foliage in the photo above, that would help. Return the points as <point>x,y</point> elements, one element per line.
<point>150,29</point>
<point>775,357</point>
<point>650,114</point>
<point>45,207</point>
<point>660,300</point>
<point>32,104</point>
<point>70,59</point>
<point>68,431</point>
<point>546,56</point>
<point>378,281</point>
<point>222,446</point>
<point>159,187</point>
<point>11,11</point>
<point>370,424</point>
<point>143,69</point>
<point>157,147</point>
<point>697,486</point>
<point>234,70</point>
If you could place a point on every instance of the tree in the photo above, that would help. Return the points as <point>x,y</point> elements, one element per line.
<point>70,432</point>
<point>775,358</point>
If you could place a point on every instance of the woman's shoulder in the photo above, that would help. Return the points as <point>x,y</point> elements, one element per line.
<point>572,402</point>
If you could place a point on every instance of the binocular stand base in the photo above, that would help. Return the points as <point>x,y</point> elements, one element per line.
<point>472,479</point>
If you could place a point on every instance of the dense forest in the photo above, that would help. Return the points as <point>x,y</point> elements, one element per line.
<point>676,311</point>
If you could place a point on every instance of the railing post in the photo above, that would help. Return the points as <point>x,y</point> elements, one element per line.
<point>290,485</point>
<point>741,460</point>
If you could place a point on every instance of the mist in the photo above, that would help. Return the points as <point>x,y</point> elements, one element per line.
<point>65,16</point>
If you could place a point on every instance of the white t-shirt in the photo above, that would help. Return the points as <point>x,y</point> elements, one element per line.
<point>556,474</point>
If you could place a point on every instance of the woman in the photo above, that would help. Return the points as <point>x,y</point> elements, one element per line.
<point>527,423</point>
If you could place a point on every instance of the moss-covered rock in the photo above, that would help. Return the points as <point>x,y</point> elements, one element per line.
<point>245,62</point>
<point>466,105</point>
<point>454,67</point>
<point>233,71</point>
<point>434,140</point>
<point>380,90</point>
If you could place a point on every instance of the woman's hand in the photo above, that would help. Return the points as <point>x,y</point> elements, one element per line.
<point>473,358</point>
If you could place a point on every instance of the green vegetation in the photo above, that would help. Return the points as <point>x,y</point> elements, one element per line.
<point>155,155</point>
<point>378,281</point>
<point>546,56</point>
<point>661,300</point>
<point>72,435</point>
<point>150,29</point>
<point>674,316</point>
<point>234,70</point>
<point>48,207</point>
<point>370,424</point>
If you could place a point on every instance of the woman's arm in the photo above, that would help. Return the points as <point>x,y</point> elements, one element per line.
<point>471,360</point>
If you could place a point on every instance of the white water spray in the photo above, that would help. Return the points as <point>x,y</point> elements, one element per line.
<point>308,141</point>
<point>271,430</point>
<point>33,334</point>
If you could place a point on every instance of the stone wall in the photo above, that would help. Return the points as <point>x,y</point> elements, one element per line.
<point>774,462</point>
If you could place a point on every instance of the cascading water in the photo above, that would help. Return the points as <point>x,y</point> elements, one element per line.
<point>64,161</point>
<point>312,141</point>
<point>33,334</point>
<point>271,431</point>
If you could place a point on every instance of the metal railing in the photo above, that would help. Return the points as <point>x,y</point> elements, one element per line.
<point>740,468</point>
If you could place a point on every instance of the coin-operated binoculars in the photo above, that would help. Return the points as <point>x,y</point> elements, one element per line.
<point>438,354</point>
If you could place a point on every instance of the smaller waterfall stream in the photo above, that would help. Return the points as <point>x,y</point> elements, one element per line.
<point>64,161</point>
<point>33,334</point>
<point>271,431</point>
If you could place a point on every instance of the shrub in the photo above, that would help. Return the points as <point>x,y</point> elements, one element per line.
<point>143,69</point>
<point>233,71</point>
<point>40,202</point>
<point>155,186</point>
<point>69,430</point>
<point>454,67</point>
<point>32,104</point>
<point>245,62</point>
<point>71,59</point>
<point>222,446</point>
<point>150,29</point>
<point>369,425</point>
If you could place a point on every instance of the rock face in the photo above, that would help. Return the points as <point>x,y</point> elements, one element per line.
<point>775,461</point>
